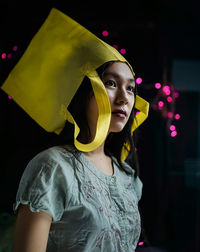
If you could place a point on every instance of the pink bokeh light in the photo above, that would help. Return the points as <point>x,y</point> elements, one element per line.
<point>105,33</point>
<point>3,55</point>
<point>160,104</point>
<point>176,94</point>
<point>123,51</point>
<point>157,85</point>
<point>169,114</point>
<point>138,80</point>
<point>172,127</point>
<point>15,48</point>
<point>169,99</point>
<point>177,116</point>
<point>9,55</point>
<point>173,133</point>
<point>9,97</point>
<point>141,243</point>
<point>166,90</point>
<point>116,47</point>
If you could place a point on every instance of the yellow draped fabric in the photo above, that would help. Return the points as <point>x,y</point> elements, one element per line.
<point>51,70</point>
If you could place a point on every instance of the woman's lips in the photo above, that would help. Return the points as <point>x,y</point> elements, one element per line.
<point>119,113</point>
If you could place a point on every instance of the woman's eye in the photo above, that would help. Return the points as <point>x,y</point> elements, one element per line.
<point>131,89</point>
<point>110,83</point>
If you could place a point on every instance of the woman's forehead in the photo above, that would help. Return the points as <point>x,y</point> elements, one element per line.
<point>119,70</point>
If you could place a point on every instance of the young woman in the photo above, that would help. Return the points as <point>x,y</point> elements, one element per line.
<point>70,200</point>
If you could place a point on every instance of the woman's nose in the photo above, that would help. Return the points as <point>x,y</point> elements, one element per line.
<point>122,97</point>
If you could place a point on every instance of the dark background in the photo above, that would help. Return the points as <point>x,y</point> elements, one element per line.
<point>155,35</point>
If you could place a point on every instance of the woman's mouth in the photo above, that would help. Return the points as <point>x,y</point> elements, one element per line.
<point>119,113</point>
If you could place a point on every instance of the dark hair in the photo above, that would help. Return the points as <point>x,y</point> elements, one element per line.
<point>115,141</point>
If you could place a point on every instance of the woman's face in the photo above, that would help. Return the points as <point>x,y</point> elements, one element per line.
<point>120,86</point>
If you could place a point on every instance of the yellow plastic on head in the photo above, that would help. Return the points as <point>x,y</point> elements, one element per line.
<point>51,70</point>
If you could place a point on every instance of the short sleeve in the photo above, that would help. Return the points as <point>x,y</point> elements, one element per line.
<point>43,187</point>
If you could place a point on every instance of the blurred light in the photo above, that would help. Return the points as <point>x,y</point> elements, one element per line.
<point>137,112</point>
<point>173,133</point>
<point>3,55</point>
<point>15,48</point>
<point>136,149</point>
<point>169,99</point>
<point>176,94</point>
<point>9,97</point>
<point>177,117</point>
<point>169,114</point>
<point>123,51</point>
<point>140,243</point>
<point>116,47</point>
<point>105,33</point>
<point>166,90</point>
<point>139,80</point>
<point>172,127</point>
<point>160,104</point>
<point>9,55</point>
<point>157,85</point>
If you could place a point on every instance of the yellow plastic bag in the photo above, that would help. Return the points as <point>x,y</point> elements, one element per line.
<point>51,70</point>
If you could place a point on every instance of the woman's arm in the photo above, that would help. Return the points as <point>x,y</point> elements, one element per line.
<point>31,230</point>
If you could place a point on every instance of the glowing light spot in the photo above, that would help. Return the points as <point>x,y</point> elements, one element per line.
<point>174,133</point>
<point>139,80</point>
<point>136,149</point>
<point>157,85</point>
<point>9,55</point>
<point>140,243</point>
<point>123,51</point>
<point>169,99</point>
<point>166,90</point>
<point>176,94</point>
<point>116,47</point>
<point>172,127</point>
<point>9,97</point>
<point>15,48</point>
<point>169,114</point>
<point>137,112</point>
<point>105,33</point>
<point>177,116</point>
<point>160,104</point>
<point>3,55</point>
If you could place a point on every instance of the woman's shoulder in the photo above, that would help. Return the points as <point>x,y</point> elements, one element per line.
<point>51,159</point>
<point>53,154</point>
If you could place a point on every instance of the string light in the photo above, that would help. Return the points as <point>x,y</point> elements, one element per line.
<point>3,55</point>
<point>105,33</point>
<point>141,243</point>
<point>173,133</point>
<point>15,48</point>
<point>123,51</point>
<point>169,114</point>
<point>169,99</point>
<point>172,127</point>
<point>138,80</point>
<point>177,116</point>
<point>157,85</point>
<point>160,104</point>
<point>166,90</point>
<point>116,47</point>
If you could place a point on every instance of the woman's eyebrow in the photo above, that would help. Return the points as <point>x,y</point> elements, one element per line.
<point>115,75</point>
